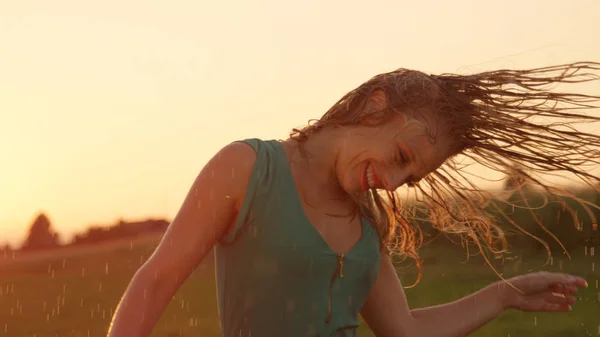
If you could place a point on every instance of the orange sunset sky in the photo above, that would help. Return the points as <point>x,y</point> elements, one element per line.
<point>110,108</point>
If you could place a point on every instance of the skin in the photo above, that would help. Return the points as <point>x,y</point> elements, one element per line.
<point>399,152</point>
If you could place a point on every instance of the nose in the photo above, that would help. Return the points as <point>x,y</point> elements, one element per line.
<point>395,177</point>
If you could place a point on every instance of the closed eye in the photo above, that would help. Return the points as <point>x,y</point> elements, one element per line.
<point>400,156</point>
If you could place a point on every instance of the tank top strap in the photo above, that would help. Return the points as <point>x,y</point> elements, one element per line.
<point>264,175</point>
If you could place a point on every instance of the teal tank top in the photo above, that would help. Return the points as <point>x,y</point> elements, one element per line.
<point>276,275</point>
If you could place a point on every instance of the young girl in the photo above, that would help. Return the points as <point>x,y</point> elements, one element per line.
<point>303,229</point>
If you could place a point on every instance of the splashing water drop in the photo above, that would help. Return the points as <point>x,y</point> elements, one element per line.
<point>106,268</point>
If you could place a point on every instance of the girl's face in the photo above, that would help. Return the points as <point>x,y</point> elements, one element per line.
<point>402,151</point>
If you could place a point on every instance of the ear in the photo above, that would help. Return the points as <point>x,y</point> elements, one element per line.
<point>376,102</point>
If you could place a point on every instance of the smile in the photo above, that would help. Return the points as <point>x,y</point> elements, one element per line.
<point>371,180</point>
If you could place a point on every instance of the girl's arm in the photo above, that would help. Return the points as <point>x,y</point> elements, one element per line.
<point>387,313</point>
<point>207,213</point>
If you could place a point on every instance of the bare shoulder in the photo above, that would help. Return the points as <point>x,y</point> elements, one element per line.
<point>232,167</point>
<point>237,154</point>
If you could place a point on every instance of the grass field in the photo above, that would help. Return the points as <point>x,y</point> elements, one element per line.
<point>74,292</point>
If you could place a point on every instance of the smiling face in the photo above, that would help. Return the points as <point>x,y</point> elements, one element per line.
<point>401,151</point>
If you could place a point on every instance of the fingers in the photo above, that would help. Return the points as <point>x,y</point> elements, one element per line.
<point>557,298</point>
<point>562,288</point>
<point>547,302</point>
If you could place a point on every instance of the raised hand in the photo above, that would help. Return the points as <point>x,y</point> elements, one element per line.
<point>542,291</point>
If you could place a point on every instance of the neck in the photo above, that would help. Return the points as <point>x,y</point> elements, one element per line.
<point>317,164</point>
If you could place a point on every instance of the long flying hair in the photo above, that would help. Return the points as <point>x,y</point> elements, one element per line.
<point>510,121</point>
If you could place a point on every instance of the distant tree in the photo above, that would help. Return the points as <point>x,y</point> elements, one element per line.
<point>41,235</point>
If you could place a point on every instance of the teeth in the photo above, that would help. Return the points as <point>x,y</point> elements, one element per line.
<point>370,178</point>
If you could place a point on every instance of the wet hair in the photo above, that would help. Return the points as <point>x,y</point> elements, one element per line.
<point>510,121</point>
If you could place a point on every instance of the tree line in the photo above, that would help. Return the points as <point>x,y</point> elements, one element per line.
<point>42,236</point>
